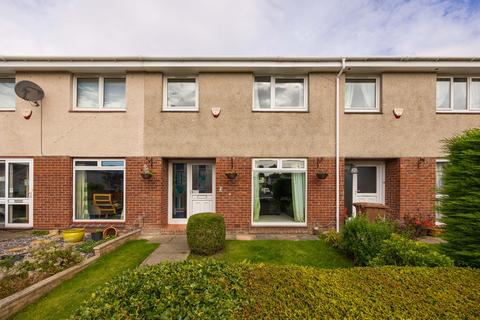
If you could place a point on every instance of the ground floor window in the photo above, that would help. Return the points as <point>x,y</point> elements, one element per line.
<point>99,189</point>
<point>279,190</point>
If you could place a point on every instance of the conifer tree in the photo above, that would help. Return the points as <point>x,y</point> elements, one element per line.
<point>461,205</point>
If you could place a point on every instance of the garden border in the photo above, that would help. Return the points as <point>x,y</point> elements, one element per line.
<point>19,300</point>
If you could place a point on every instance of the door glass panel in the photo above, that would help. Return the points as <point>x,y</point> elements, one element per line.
<point>2,214</point>
<point>18,213</point>
<point>18,180</point>
<point>202,178</point>
<point>179,191</point>
<point>2,179</point>
<point>367,180</point>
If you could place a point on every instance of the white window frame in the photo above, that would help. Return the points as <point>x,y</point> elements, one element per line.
<point>377,94</point>
<point>438,195</point>
<point>15,106</point>
<point>166,107</point>
<point>99,167</point>
<point>280,169</point>
<point>273,107</point>
<point>468,95</point>
<point>101,91</point>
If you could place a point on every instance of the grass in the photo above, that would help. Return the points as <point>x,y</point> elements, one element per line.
<point>64,300</point>
<point>314,253</point>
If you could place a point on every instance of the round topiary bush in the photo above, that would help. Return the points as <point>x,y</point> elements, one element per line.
<point>206,233</point>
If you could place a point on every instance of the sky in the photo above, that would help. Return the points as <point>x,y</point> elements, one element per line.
<point>239,28</point>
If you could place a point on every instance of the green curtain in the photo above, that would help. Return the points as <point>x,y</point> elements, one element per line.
<point>81,193</point>
<point>298,195</point>
<point>256,197</point>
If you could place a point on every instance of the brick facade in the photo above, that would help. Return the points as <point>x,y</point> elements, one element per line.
<point>52,192</point>
<point>409,192</point>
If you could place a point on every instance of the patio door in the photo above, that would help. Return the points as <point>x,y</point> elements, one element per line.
<point>16,205</point>
<point>191,189</point>
<point>368,182</point>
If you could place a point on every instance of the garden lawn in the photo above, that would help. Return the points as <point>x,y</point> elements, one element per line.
<point>64,300</point>
<point>314,253</point>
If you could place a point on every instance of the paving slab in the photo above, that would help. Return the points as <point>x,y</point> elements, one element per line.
<point>172,248</point>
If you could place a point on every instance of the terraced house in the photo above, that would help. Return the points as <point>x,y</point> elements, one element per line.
<point>274,144</point>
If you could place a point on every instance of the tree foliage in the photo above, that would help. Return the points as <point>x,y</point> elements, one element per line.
<point>460,206</point>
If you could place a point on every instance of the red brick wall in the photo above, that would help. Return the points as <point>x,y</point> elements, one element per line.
<point>417,188</point>
<point>234,197</point>
<point>146,199</point>
<point>52,190</point>
<point>392,185</point>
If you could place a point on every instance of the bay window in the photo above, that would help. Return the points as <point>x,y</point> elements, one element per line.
<point>99,190</point>
<point>279,191</point>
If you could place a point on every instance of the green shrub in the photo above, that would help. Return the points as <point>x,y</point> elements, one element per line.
<point>40,232</point>
<point>88,245</point>
<point>333,239</point>
<point>461,205</point>
<point>205,289</point>
<point>206,233</point>
<point>362,239</point>
<point>49,258</point>
<point>194,289</point>
<point>399,251</point>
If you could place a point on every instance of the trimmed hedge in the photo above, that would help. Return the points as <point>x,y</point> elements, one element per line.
<point>207,289</point>
<point>362,239</point>
<point>399,251</point>
<point>206,233</point>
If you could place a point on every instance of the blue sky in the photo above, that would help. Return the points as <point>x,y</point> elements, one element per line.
<point>240,27</point>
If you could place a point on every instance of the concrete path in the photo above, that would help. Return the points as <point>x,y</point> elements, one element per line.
<point>172,248</point>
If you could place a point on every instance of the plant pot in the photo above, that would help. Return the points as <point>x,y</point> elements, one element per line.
<point>146,176</point>
<point>321,175</point>
<point>110,232</point>
<point>97,235</point>
<point>73,235</point>
<point>231,175</point>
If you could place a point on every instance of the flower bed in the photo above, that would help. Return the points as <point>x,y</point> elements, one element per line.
<point>207,289</point>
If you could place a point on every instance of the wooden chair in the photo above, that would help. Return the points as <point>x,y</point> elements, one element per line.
<point>103,201</point>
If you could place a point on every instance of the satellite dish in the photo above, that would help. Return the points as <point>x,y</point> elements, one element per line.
<point>27,90</point>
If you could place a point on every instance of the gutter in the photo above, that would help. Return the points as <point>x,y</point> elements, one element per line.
<point>337,146</point>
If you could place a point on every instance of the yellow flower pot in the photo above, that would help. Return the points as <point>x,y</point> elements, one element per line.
<point>73,235</point>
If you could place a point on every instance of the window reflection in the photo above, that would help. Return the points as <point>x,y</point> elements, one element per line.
<point>181,92</point>
<point>87,92</point>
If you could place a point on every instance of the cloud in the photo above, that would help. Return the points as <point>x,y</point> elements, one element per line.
<point>239,28</point>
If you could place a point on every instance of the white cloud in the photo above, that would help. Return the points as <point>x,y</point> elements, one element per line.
<point>246,27</point>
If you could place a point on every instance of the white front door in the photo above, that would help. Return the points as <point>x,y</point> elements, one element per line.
<point>16,205</point>
<point>368,183</point>
<point>191,189</point>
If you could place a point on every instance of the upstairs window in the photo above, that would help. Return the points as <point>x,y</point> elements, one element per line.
<point>361,95</point>
<point>458,94</point>
<point>7,94</point>
<point>105,93</point>
<point>279,93</point>
<point>181,94</point>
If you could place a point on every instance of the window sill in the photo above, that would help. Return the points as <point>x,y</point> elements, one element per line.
<point>7,109</point>
<point>280,224</point>
<point>363,111</point>
<point>281,110</point>
<point>180,110</point>
<point>98,110</point>
<point>458,112</point>
<point>99,221</point>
